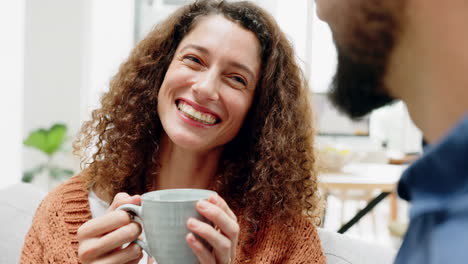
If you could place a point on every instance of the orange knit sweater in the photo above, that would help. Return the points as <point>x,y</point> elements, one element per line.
<point>52,236</point>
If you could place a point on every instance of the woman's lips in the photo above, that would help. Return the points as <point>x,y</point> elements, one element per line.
<point>197,113</point>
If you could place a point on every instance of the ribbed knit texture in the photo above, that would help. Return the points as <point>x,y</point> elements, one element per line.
<point>52,236</point>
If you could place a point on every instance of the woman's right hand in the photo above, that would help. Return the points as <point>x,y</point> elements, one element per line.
<point>101,238</point>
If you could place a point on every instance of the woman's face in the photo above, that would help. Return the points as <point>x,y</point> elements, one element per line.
<point>209,85</point>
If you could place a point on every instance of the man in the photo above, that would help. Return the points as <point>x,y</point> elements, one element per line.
<point>416,51</point>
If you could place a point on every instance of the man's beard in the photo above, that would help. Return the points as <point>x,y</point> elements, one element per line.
<point>363,55</point>
<point>357,87</point>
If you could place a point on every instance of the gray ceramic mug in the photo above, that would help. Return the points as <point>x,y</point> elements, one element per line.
<point>164,216</point>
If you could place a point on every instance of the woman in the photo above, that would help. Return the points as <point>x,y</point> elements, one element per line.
<point>212,98</point>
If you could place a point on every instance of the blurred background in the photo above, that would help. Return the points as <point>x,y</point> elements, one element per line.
<point>57,57</point>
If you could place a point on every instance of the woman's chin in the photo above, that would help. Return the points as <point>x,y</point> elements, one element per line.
<point>193,140</point>
<point>191,143</point>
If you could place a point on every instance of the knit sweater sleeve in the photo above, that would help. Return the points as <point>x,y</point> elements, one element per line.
<point>294,242</point>
<point>52,235</point>
<point>33,246</point>
<point>304,245</point>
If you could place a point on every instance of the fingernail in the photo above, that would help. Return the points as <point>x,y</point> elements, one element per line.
<point>202,204</point>
<point>190,237</point>
<point>214,199</point>
<point>192,223</point>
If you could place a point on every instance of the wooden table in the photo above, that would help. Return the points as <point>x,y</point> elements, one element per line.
<point>364,176</point>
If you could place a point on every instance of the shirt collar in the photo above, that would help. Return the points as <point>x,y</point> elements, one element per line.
<point>443,169</point>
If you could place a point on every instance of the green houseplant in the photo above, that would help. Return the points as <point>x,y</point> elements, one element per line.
<point>50,142</point>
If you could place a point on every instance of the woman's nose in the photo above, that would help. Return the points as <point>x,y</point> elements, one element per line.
<point>206,88</point>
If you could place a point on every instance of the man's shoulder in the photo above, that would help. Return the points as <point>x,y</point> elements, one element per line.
<point>437,237</point>
<point>441,172</point>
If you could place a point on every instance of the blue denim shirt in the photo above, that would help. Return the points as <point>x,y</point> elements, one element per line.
<point>437,187</point>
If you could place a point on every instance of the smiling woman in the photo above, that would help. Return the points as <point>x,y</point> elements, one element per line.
<point>209,82</point>
<point>213,99</point>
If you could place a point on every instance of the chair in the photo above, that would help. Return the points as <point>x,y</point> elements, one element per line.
<point>17,204</point>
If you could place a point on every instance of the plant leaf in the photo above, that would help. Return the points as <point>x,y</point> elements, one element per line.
<point>58,173</point>
<point>68,173</point>
<point>56,137</point>
<point>37,139</point>
<point>28,176</point>
<point>48,141</point>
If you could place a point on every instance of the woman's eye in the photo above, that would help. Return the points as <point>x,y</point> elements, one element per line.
<point>239,80</point>
<point>192,59</point>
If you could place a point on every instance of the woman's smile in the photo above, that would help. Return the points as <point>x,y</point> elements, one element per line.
<point>197,113</point>
<point>208,88</point>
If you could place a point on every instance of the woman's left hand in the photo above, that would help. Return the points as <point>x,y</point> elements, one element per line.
<point>223,237</point>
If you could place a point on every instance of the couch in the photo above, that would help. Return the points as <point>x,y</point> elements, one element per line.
<point>18,203</point>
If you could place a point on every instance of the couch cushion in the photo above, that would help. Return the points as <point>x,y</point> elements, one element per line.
<point>17,204</point>
<point>342,249</point>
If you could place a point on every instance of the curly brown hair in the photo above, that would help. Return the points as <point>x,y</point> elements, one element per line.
<point>266,172</point>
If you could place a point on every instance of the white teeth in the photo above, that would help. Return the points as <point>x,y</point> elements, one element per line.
<point>190,112</point>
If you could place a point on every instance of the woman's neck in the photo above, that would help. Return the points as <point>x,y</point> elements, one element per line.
<point>185,169</point>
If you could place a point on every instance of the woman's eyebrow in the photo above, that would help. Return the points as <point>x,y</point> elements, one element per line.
<point>231,63</point>
<point>197,47</point>
<point>243,67</point>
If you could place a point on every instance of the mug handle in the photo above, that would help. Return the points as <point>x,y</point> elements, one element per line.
<point>135,209</point>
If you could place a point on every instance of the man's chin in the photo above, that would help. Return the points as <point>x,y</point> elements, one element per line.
<point>357,88</point>
<point>364,47</point>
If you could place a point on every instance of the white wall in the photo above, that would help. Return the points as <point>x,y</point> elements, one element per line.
<point>323,55</point>
<point>12,15</point>
<point>109,41</point>
<point>292,18</point>
<point>72,49</point>
<point>310,37</point>
<point>393,124</point>
<point>53,69</point>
